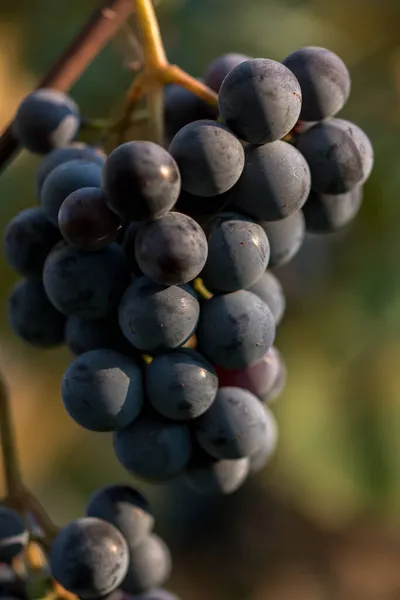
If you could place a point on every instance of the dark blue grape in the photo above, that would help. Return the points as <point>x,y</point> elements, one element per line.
<point>285,238</point>
<point>83,335</point>
<point>46,119</point>
<point>208,475</point>
<point>141,181</point>
<point>156,594</point>
<point>89,558</point>
<point>210,158</point>
<point>152,448</point>
<point>234,426</point>
<point>238,253</point>
<point>275,183</point>
<point>13,535</point>
<point>86,284</point>
<point>65,179</point>
<point>260,101</point>
<point>150,566</point>
<point>181,385</point>
<point>126,509</point>
<point>268,445</point>
<point>128,246</point>
<point>324,80</point>
<point>269,288</point>
<point>102,390</point>
<point>156,318</point>
<point>32,316</point>
<point>326,213</point>
<point>182,107</point>
<point>219,68</point>
<point>28,239</point>
<point>235,329</point>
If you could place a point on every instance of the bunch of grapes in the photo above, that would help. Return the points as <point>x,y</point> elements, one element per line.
<point>154,266</point>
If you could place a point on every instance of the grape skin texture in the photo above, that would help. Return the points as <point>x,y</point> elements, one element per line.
<point>89,558</point>
<point>76,150</point>
<point>171,250</point>
<point>32,317</point>
<point>83,335</point>
<point>275,183</point>
<point>259,459</point>
<point>126,509</point>
<point>85,220</point>
<point>339,154</point>
<point>210,158</point>
<point>234,426</point>
<point>181,385</point>
<point>165,448</point>
<point>65,179</point>
<point>102,390</point>
<point>141,181</point>
<point>155,318</point>
<point>238,253</point>
<point>235,329</point>
<point>260,101</point>
<point>269,288</point>
<point>326,213</point>
<point>150,566</point>
<point>285,238</point>
<point>156,594</point>
<point>219,68</point>
<point>28,239</point>
<point>182,107</point>
<point>324,80</point>
<point>46,119</point>
<point>13,534</point>
<point>85,284</point>
<point>210,476</point>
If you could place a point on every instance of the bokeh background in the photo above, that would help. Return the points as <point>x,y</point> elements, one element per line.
<point>323,519</point>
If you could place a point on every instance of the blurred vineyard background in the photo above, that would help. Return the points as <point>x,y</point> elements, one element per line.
<point>323,519</point>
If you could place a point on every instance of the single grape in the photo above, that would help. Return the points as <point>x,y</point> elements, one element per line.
<point>76,150</point>
<point>181,385</point>
<point>269,288</point>
<point>85,220</point>
<point>128,246</point>
<point>326,213</point>
<point>13,535</point>
<point>210,158</point>
<point>125,508</point>
<point>46,119</point>
<point>285,238</point>
<point>83,335</point>
<point>172,249</point>
<point>339,154</point>
<point>156,594</point>
<point>235,329</point>
<point>141,181</point>
<point>153,448</point>
<point>28,239</point>
<point>219,68</point>
<point>238,253</point>
<point>32,316</point>
<point>260,101</point>
<point>65,179</point>
<point>102,390</point>
<point>275,183</point>
<point>324,80</point>
<point>262,455</point>
<point>89,558</point>
<point>86,284</point>
<point>234,426</point>
<point>208,475</point>
<point>150,566</point>
<point>279,381</point>
<point>182,107</point>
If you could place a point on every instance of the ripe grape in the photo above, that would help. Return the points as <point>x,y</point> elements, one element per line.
<point>150,566</point>
<point>210,158</point>
<point>219,68</point>
<point>324,80</point>
<point>28,239</point>
<point>141,181</point>
<point>326,213</point>
<point>261,456</point>
<point>208,475</point>
<point>13,535</point>
<point>234,426</point>
<point>285,238</point>
<point>89,558</point>
<point>269,288</point>
<point>32,316</point>
<point>181,385</point>
<point>182,107</point>
<point>235,329</point>
<point>238,253</point>
<point>260,101</point>
<point>85,220</point>
<point>85,284</point>
<point>102,390</point>
<point>82,335</point>
<point>172,249</point>
<point>46,119</point>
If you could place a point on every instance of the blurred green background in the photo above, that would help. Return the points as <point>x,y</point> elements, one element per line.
<point>323,519</point>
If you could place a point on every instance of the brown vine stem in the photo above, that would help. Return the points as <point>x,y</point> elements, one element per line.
<point>101,26</point>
